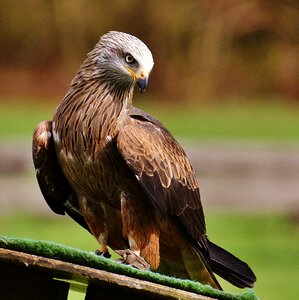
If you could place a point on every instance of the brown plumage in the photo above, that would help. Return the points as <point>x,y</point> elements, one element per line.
<point>119,173</point>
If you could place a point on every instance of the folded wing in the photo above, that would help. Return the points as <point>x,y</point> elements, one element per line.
<point>55,188</point>
<point>163,170</point>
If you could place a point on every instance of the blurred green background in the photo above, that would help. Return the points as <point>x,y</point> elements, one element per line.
<point>226,84</point>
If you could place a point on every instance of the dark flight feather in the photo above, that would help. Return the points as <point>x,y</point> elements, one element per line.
<point>230,267</point>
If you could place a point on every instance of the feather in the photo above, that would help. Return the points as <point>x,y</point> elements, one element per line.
<point>230,267</point>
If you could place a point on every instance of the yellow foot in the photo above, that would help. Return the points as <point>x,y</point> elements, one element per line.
<point>132,259</point>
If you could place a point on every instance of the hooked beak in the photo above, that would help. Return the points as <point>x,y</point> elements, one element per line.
<point>141,79</point>
<point>142,83</point>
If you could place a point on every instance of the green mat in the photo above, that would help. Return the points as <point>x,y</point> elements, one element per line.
<point>89,259</point>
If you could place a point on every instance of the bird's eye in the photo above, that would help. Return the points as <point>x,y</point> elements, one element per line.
<point>129,59</point>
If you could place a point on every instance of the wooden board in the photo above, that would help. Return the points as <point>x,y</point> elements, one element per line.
<point>24,276</point>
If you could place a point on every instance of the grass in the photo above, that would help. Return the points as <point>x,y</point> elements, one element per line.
<point>250,121</point>
<point>261,120</point>
<point>18,118</point>
<point>268,243</point>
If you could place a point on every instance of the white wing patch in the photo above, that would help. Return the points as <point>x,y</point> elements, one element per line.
<point>108,138</point>
<point>45,135</point>
<point>55,134</point>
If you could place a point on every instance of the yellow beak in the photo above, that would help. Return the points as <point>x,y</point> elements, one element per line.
<point>141,79</point>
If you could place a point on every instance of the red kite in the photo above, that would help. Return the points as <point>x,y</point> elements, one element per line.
<point>119,173</point>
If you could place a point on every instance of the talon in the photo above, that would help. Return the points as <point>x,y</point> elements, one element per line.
<point>105,254</point>
<point>132,259</point>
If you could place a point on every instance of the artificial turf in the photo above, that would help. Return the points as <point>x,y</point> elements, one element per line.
<point>89,259</point>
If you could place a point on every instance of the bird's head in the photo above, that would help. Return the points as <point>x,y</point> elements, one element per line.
<point>121,60</point>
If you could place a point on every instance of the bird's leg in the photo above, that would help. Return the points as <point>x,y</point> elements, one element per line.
<point>140,229</point>
<point>103,251</point>
<point>95,217</point>
<point>133,259</point>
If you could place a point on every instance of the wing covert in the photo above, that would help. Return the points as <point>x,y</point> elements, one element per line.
<point>164,171</point>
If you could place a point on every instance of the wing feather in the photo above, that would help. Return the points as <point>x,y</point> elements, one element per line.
<point>163,170</point>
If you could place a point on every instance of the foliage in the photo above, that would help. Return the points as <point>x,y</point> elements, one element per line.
<point>201,48</point>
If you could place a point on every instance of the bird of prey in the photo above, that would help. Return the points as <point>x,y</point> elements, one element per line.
<point>119,173</point>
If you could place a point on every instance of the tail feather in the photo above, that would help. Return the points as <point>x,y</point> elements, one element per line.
<point>230,268</point>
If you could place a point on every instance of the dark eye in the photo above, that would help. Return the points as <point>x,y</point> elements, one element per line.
<point>129,59</point>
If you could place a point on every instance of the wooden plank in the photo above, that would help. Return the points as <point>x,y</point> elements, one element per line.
<point>98,279</point>
<point>17,283</point>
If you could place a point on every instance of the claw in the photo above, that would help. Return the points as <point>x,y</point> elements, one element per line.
<point>132,259</point>
<point>104,254</point>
